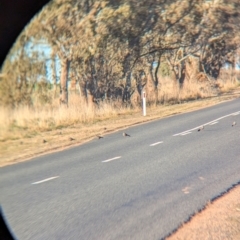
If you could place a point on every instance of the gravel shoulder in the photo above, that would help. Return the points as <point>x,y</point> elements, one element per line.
<point>220,219</point>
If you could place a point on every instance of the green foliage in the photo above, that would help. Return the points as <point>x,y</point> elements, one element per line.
<point>165,70</point>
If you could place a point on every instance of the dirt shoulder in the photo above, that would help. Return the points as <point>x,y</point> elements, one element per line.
<point>219,220</point>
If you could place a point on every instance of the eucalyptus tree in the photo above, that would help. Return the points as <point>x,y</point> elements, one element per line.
<point>214,41</point>
<point>109,44</point>
<point>220,35</point>
<point>175,31</point>
<point>66,26</point>
<point>23,68</point>
<point>146,30</point>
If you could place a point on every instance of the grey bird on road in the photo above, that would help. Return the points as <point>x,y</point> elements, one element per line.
<point>233,124</point>
<point>126,135</point>
<point>201,128</point>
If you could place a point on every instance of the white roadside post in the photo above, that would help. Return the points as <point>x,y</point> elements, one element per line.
<point>144,102</point>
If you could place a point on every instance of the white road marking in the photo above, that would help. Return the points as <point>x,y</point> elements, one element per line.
<point>208,123</point>
<point>213,123</point>
<point>154,144</point>
<point>45,180</point>
<point>111,159</point>
<point>185,133</point>
<point>235,114</point>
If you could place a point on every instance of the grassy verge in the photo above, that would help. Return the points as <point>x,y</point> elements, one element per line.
<point>26,132</point>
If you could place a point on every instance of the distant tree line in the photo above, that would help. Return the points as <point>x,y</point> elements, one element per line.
<point>113,48</point>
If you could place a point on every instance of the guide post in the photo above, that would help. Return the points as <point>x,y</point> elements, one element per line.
<point>144,102</point>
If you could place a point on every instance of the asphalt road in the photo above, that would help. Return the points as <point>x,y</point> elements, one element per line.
<point>138,187</point>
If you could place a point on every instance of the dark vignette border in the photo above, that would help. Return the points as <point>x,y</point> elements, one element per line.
<point>14,16</point>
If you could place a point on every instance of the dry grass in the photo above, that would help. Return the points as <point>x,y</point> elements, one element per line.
<point>228,81</point>
<point>27,121</point>
<point>225,87</point>
<point>192,90</point>
<point>22,130</point>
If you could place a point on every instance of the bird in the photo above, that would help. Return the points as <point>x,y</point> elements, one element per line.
<point>201,128</point>
<point>44,141</point>
<point>126,135</point>
<point>99,137</point>
<point>233,124</point>
<point>71,139</point>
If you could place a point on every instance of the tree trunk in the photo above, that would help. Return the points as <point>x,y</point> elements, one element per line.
<point>82,90</point>
<point>156,81</point>
<point>54,78</point>
<point>181,74</point>
<point>232,70</point>
<point>90,98</point>
<point>65,63</point>
<point>151,88</point>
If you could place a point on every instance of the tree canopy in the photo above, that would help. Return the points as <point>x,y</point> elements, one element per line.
<point>111,47</point>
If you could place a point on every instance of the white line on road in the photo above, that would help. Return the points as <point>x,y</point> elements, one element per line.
<point>154,144</point>
<point>215,120</point>
<point>186,133</point>
<point>45,180</point>
<point>111,159</point>
<point>213,123</point>
<point>235,114</point>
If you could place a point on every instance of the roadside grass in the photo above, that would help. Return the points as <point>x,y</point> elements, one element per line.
<point>27,121</point>
<point>228,81</point>
<point>170,93</point>
<point>23,130</point>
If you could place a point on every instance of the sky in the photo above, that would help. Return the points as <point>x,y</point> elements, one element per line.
<point>45,53</point>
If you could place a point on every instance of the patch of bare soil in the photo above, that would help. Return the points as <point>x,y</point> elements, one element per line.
<point>220,220</point>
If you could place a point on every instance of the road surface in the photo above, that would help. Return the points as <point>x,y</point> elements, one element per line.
<point>138,187</point>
